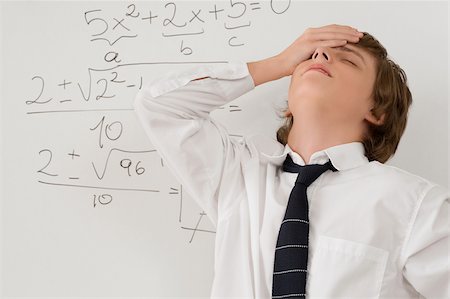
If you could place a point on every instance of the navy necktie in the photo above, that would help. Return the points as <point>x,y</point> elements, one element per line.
<point>291,253</point>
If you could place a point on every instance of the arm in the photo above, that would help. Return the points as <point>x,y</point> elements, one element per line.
<point>174,113</point>
<point>265,70</point>
<point>426,252</point>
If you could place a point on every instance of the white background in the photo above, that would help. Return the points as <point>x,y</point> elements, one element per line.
<point>144,236</point>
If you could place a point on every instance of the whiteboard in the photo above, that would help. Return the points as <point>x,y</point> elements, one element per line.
<point>89,208</point>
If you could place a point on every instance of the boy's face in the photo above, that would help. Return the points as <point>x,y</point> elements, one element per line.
<point>343,98</point>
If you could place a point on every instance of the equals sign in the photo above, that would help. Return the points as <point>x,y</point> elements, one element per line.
<point>255,3</point>
<point>233,106</point>
<point>173,190</point>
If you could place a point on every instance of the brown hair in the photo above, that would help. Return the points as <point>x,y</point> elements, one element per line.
<point>391,96</point>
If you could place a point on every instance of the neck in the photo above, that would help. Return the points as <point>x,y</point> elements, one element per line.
<point>307,136</point>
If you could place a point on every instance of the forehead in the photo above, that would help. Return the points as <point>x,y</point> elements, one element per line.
<point>352,49</point>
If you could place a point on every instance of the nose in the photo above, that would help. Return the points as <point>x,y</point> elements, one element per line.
<point>320,54</point>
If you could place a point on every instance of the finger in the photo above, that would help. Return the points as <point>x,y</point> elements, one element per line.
<point>332,43</point>
<point>349,32</point>
<point>335,35</point>
<point>338,28</point>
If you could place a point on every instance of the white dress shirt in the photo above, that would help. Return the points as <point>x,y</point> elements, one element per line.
<point>376,231</point>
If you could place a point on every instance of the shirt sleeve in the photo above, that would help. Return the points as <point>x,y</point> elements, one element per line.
<point>174,112</point>
<point>427,263</point>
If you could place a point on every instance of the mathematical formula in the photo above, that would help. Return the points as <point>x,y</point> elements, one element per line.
<point>103,90</point>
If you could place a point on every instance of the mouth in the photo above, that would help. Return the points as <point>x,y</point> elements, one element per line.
<point>319,70</point>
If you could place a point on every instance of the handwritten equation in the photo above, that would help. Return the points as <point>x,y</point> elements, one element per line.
<point>104,89</point>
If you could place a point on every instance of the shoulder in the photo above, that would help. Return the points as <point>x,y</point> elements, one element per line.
<point>260,147</point>
<point>399,178</point>
<point>263,144</point>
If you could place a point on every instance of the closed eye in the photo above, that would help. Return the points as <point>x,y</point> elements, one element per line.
<point>350,62</point>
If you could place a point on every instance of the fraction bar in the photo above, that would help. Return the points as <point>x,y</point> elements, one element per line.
<point>86,110</point>
<point>96,187</point>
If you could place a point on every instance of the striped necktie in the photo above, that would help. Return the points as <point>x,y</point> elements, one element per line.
<point>291,253</point>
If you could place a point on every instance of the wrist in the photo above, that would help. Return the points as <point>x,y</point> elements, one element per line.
<point>283,65</point>
<point>269,69</point>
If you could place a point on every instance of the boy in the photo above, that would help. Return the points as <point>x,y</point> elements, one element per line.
<point>375,231</point>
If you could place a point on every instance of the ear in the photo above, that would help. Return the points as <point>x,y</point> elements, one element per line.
<point>287,113</point>
<point>373,119</point>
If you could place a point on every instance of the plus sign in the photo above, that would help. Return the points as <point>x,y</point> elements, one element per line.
<point>215,11</point>
<point>73,154</point>
<point>150,17</point>
<point>64,83</point>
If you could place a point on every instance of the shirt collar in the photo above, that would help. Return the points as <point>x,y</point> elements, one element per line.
<point>343,156</point>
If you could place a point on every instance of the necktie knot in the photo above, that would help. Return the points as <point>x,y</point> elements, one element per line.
<point>307,174</point>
